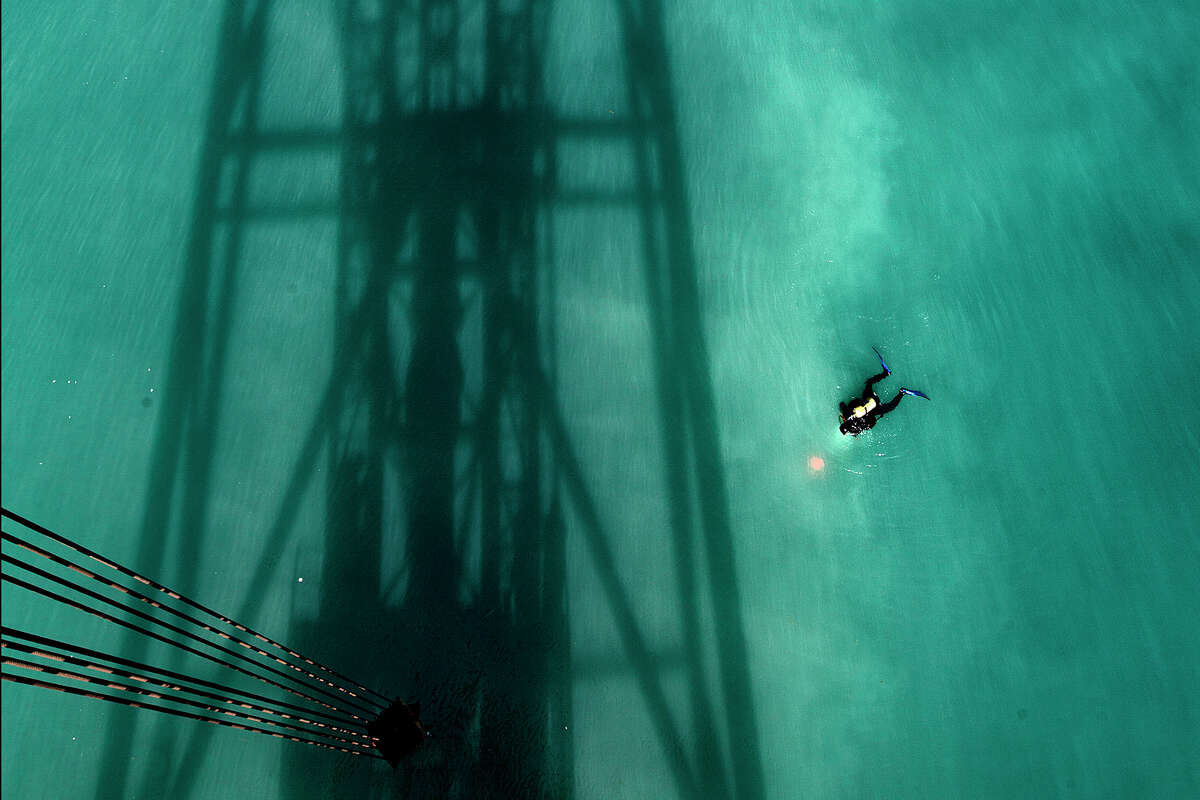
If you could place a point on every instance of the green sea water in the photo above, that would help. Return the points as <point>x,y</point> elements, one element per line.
<point>990,595</point>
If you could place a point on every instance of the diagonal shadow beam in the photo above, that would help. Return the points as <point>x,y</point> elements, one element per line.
<point>352,347</point>
<point>647,56</point>
<point>238,62</point>
<point>631,636</point>
<point>674,431</point>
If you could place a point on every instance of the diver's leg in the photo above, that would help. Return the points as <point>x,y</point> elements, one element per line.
<point>888,406</point>
<point>872,381</point>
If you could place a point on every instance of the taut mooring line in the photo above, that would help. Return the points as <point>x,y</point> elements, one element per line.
<point>147,691</point>
<point>155,604</point>
<point>97,596</point>
<point>381,700</point>
<point>110,618</point>
<point>63,658</point>
<point>137,704</point>
<point>64,648</point>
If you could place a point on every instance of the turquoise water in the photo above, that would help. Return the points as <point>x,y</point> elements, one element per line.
<point>989,595</point>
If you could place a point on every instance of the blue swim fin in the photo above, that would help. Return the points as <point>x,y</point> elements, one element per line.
<point>913,392</point>
<point>885,366</point>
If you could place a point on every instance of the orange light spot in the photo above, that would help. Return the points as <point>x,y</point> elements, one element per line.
<point>816,463</point>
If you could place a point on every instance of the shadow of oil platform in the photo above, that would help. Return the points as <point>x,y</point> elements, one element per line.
<point>449,472</point>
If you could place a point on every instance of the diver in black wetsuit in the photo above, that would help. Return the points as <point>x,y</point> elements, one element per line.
<point>863,415</point>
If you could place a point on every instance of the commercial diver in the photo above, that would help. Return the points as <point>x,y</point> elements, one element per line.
<point>867,409</point>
